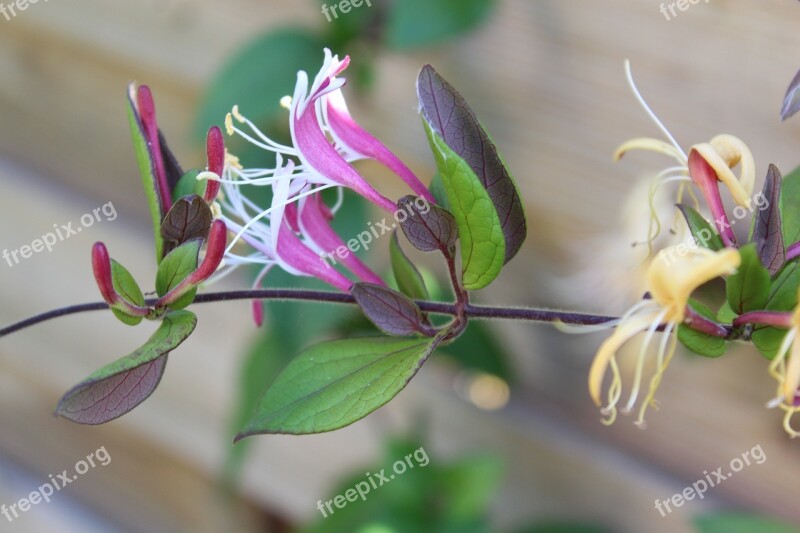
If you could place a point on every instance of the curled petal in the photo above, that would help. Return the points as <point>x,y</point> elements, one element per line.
<point>214,253</point>
<point>651,145</point>
<point>725,152</point>
<point>675,274</point>
<point>705,176</point>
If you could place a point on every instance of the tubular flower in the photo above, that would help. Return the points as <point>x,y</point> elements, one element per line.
<point>707,165</point>
<point>293,233</point>
<point>325,139</point>
<point>787,373</point>
<point>672,277</point>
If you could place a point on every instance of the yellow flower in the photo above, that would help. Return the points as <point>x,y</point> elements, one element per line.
<point>674,274</point>
<point>722,153</point>
<point>787,373</point>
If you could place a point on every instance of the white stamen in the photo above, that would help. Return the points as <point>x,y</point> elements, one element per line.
<point>649,111</point>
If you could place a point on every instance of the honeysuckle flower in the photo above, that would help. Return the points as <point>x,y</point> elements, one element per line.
<point>787,373</point>
<point>673,275</point>
<point>292,233</point>
<point>706,166</point>
<point>325,139</point>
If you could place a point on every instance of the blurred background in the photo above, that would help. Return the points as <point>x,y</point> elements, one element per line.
<point>514,441</point>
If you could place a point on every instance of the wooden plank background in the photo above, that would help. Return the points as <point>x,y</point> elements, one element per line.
<point>546,78</point>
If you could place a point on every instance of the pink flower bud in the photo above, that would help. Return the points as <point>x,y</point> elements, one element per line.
<point>215,151</point>
<point>101,266</point>
<point>147,114</point>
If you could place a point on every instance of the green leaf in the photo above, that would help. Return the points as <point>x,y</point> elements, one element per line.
<point>119,387</point>
<point>702,231</point>
<point>188,186</point>
<point>408,278</point>
<point>701,343</point>
<point>749,288</point>
<point>178,264</point>
<point>148,174</point>
<point>126,286</point>
<point>726,315</point>
<point>782,297</point>
<point>333,384</point>
<point>450,117</point>
<point>438,191</point>
<point>740,523</point>
<point>790,207</point>
<point>483,247</point>
<point>418,23</point>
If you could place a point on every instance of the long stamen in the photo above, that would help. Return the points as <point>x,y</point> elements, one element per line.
<point>663,363</point>
<point>649,111</point>
<point>268,211</point>
<point>637,381</point>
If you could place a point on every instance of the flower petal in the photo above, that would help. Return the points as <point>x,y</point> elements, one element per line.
<point>349,133</point>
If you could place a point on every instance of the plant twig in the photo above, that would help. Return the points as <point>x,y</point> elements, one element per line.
<point>472,311</point>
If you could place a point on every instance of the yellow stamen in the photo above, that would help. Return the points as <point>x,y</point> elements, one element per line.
<point>229,124</point>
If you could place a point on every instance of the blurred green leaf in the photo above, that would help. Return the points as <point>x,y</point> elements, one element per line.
<point>480,349</point>
<point>438,497</point>
<point>740,523</point>
<point>257,76</point>
<point>790,207</point>
<point>418,23</point>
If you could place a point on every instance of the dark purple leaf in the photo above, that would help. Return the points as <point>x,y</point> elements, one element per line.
<point>768,231</point>
<point>107,399</point>
<point>117,388</point>
<point>390,311</point>
<point>189,218</point>
<point>428,229</point>
<point>450,117</point>
<point>171,166</point>
<point>791,102</point>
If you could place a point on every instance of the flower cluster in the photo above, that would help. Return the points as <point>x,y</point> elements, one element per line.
<point>295,229</point>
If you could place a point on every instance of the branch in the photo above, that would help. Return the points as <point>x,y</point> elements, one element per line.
<point>472,311</point>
